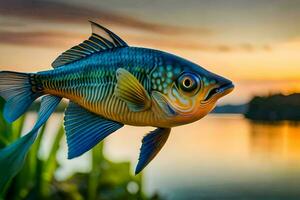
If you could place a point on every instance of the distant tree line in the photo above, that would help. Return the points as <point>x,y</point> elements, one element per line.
<point>274,107</point>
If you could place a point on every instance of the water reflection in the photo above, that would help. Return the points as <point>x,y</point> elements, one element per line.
<point>221,157</point>
<point>276,141</point>
<point>218,157</point>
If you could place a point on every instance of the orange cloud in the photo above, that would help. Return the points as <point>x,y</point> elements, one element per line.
<point>38,38</point>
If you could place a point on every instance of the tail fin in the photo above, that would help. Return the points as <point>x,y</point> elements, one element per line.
<point>19,90</point>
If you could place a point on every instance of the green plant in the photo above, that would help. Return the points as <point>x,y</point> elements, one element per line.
<point>106,180</point>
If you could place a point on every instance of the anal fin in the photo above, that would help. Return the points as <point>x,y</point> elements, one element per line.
<point>152,143</point>
<point>84,129</point>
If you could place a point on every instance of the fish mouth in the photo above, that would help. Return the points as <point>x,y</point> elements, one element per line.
<point>219,91</point>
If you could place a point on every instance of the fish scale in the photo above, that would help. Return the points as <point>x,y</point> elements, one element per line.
<point>92,86</point>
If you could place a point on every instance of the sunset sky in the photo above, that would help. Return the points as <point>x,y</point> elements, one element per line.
<point>255,43</point>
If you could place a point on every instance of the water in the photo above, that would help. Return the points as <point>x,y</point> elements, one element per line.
<point>218,157</point>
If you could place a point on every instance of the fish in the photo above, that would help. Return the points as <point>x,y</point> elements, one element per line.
<point>109,84</point>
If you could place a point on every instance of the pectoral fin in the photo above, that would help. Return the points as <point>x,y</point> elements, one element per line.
<point>152,143</point>
<point>130,90</point>
<point>84,129</point>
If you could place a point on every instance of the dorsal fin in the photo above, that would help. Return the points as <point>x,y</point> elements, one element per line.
<point>100,40</point>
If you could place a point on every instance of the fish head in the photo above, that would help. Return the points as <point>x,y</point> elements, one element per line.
<point>188,91</point>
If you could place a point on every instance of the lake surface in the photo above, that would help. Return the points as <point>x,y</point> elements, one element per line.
<point>218,157</point>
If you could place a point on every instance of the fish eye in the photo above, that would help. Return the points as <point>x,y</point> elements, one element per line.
<point>189,82</point>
